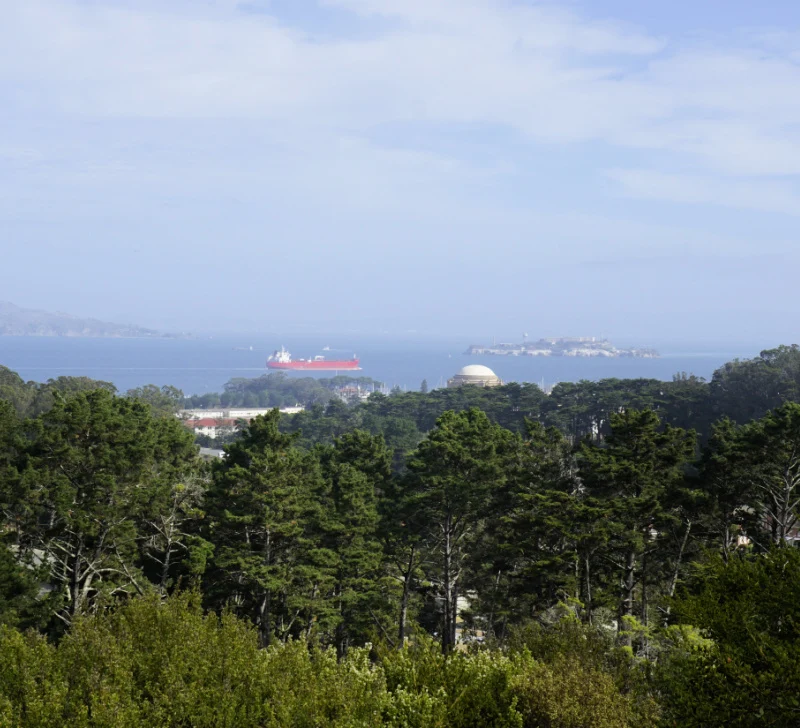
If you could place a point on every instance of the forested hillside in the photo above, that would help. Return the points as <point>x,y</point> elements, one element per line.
<point>277,390</point>
<point>741,390</point>
<point>615,554</point>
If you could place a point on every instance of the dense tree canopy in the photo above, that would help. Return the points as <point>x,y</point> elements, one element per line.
<point>277,389</point>
<point>503,556</point>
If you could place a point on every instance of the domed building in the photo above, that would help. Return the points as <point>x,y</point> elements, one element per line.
<point>476,374</point>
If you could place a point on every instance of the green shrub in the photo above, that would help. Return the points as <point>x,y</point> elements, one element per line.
<point>568,694</point>
<point>166,664</point>
<point>306,689</point>
<point>464,689</point>
<point>746,672</point>
<point>571,648</point>
<point>32,688</point>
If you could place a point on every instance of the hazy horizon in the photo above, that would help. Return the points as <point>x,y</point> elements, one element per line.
<point>457,168</point>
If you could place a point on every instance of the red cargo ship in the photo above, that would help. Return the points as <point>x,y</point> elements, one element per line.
<point>282,359</point>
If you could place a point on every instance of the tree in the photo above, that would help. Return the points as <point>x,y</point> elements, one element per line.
<point>99,463</point>
<point>164,401</point>
<point>630,476</point>
<point>357,468</point>
<point>47,394</point>
<point>14,506</point>
<point>729,492</point>
<point>15,391</point>
<point>456,467</point>
<point>747,669</point>
<point>772,447</point>
<point>171,546</point>
<point>531,538</point>
<point>18,591</point>
<point>406,550</point>
<point>262,519</point>
<point>747,390</point>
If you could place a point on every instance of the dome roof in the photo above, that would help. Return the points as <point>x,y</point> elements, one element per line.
<point>475,370</point>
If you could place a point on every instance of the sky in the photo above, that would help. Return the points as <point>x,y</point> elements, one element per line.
<point>459,167</point>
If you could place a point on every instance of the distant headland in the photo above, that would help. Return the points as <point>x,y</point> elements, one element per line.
<point>16,321</point>
<point>565,346</point>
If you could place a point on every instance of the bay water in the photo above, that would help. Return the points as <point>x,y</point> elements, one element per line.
<point>205,364</point>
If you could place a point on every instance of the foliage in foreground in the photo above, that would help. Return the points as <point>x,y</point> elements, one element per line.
<point>324,541</point>
<point>154,663</point>
<point>746,672</point>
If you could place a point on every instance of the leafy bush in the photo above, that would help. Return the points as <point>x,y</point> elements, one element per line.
<point>464,689</point>
<point>568,694</point>
<point>166,664</point>
<point>572,649</point>
<point>747,670</point>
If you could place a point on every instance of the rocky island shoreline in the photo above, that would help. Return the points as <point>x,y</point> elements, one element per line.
<point>565,346</point>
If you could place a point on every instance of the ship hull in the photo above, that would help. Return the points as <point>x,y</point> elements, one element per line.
<point>315,366</point>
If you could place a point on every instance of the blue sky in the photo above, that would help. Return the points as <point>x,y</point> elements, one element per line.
<point>462,166</point>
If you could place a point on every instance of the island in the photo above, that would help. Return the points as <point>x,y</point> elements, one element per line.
<point>565,346</point>
<point>17,321</point>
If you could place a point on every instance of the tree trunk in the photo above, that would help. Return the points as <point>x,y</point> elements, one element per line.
<point>407,578</point>
<point>449,620</point>
<point>644,589</point>
<point>162,587</point>
<point>75,591</point>
<point>454,616</point>
<point>310,624</point>
<point>626,597</point>
<point>726,541</point>
<point>341,630</point>
<point>265,611</point>
<point>588,570</point>
<point>265,620</point>
<point>673,583</point>
<point>643,646</point>
<point>401,629</point>
<point>490,621</point>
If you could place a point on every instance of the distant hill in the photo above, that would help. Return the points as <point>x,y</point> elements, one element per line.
<point>16,321</point>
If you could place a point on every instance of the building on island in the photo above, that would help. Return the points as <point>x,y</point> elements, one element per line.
<point>475,374</point>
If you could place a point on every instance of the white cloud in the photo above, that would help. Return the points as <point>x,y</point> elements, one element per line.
<point>527,27</point>
<point>532,68</point>
<point>536,70</point>
<point>765,196</point>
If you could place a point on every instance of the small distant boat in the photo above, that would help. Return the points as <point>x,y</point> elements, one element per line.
<point>282,359</point>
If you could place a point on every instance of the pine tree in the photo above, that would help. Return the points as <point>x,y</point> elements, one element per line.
<point>99,465</point>
<point>261,522</point>
<point>530,541</point>
<point>729,494</point>
<point>630,476</point>
<point>772,452</point>
<point>456,468</point>
<point>357,468</point>
<point>15,506</point>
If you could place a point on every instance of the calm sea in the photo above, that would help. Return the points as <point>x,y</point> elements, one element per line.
<point>204,365</point>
